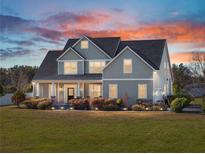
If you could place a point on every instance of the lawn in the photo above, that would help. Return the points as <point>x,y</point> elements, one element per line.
<point>24,130</point>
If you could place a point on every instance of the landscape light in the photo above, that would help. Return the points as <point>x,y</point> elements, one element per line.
<point>62,108</point>
<point>161,108</point>
<point>71,108</point>
<point>53,108</point>
<point>124,109</point>
<point>96,108</point>
<point>147,108</point>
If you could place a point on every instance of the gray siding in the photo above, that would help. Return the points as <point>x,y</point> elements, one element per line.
<point>80,67</point>
<point>70,55</point>
<point>91,53</point>
<point>139,68</point>
<point>129,88</point>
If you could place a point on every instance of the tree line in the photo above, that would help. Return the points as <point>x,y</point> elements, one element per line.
<point>16,78</point>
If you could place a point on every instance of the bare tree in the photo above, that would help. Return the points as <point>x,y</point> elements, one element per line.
<point>198,64</point>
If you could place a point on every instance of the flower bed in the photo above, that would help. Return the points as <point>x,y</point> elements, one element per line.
<point>148,106</point>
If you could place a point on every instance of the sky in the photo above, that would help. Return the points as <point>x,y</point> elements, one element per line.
<point>29,28</point>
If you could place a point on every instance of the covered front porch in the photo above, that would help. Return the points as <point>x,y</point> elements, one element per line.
<point>62,91</point>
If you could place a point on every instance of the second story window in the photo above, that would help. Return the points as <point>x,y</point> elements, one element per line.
<point>84,44</point>
<point>96,66</point>
<point>127,66</point>
<point>70,68</point>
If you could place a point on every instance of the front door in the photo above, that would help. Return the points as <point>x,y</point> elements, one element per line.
<point>70,93</point>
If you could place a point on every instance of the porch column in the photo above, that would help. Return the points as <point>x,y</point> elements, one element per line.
<point>53,89</point>
<point>37,89</point>
<point>33,90</point>
<point>78,89</point>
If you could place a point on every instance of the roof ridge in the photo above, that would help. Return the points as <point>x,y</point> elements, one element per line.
<point>144,40</point>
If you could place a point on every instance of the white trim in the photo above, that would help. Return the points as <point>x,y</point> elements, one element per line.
<point>97,60</point>
<point>140,79</point>
<point>127,47</point>
<point>66,81</point>
<point>67,51</point>
<point>93,44</point>
<point>69,60</point>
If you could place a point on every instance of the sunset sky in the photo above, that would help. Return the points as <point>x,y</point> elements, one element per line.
<point>29,28</point>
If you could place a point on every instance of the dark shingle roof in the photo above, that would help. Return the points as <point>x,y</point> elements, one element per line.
<point>150,50</point>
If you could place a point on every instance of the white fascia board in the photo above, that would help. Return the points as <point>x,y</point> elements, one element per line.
<point>93,44</point>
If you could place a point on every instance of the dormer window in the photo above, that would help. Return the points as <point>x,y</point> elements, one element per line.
<point>84,44</point>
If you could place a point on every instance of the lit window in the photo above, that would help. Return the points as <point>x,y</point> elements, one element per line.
<point>142,91</point>
<point>95,90</point>
<point>127,66</point>
<point>113,90</point>
<point>70,67</point>
<point>96,66</point>
<point>84,44</point>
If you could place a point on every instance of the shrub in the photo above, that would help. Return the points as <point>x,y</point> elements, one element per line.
<point>97,103</point>
<point>110,107</point>
<point>178,104</point>
<point>203,107</point>
<point>119,102</point>
<point>140,107</point>
<point>46,104</point>
<point>1,90</point>
<point>18,97</point>
<point>32,103</point>
<point>80,104</point>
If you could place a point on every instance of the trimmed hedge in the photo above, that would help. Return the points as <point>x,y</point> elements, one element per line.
<point>97,104</point>
<point>37,103</point>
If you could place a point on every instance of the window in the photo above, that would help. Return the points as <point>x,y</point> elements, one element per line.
<point>113,91</point>
<point>142,90</point>
<point>84,44</point>
<point>127,66</point>
<point>96,66</point>
<point>95,90</point>
<point>70,68</point>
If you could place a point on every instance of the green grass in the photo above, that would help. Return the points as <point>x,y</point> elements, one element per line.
<point>24,130</point>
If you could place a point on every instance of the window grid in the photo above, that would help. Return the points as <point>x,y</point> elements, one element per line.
<point>127,65</point>
<point>95,90</point>
<point>113,91</point>
<point>96,67</point>
<point>70,67</point>
<point>84,44</point>
<point>142,91</point>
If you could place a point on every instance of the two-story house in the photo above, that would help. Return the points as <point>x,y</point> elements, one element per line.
<point>105,67</point>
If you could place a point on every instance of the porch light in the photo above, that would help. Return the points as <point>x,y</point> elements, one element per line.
<point>62,108</point>
<point>155,72</point>
<point>60,89</point>
<point>53,108</point>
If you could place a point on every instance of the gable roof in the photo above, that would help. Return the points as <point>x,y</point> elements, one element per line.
<point>69,49</point>
<point>150,50</point>
<point>108,44</point>
<point>123,50</point>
